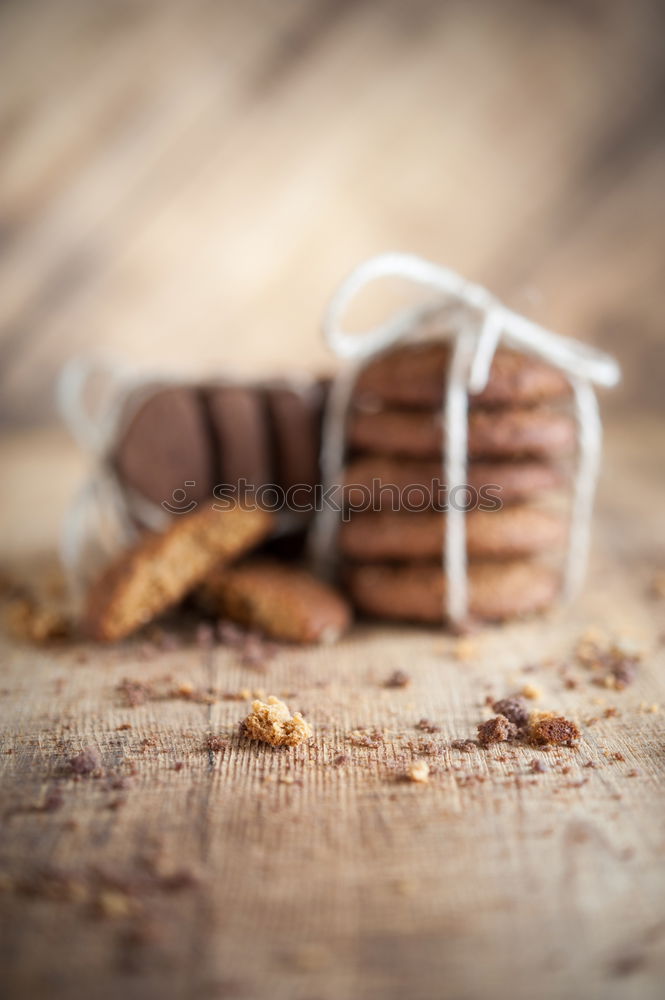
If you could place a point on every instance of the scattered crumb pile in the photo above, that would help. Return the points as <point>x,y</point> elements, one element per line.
<point>612,664</point>
<point>272,722</point>
<point>513,721</point>
<point>418,772</point>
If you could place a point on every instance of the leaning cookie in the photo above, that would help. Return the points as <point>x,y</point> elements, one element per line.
<point>416,592</point>
<point>415,375</point>
<point>506,433</point>
<point>281,601</point>
<point>162,568</point>
<point>494,534</point>
<point>382,482</point>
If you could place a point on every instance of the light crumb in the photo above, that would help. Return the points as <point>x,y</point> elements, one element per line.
<point>531,692</point>
<point>271,722</point>
<point>418,771</point>
<point>464,650</point>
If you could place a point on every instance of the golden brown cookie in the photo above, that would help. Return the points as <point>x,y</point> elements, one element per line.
<point>393,483</point>
<point>496,534</point>
<point>281,601</point>
<point>414,375</point>
<point>162,568</point>
<point>416,592</point>
<point>511,432</point>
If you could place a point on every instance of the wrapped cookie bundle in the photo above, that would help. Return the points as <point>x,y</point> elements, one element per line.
<point>191,479</point>
<point>446,434</point>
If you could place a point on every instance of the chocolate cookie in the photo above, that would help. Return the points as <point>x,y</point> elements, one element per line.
<point>164,445</point>
<point>497,534</point>
<point>281,601</point>
<point>161,569</point>
<point>294,414</point>
<point>414,375</point>
<point>416,592</point>
<point>239,424</point>
<point>506,433</point>
<point>386,483</point>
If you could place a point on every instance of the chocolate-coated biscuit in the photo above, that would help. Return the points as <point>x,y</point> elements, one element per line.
<point>385,482</point>
<point>160,569</point>
<point>165,445</point>
<point>283,602</point>
<point>504,433</point>
<point>497,534</point>
<point>416,592</point>
<point>239,424</point>
<point>294,414</point>
<point>414,375</point>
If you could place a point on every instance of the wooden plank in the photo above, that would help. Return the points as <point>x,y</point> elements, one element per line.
<point>245,871</point>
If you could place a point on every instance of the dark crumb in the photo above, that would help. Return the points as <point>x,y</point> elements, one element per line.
<point>178,766</point>
<point>123,726</point>
<point>590,763</point>
<point>398,679</point>
<point>496,730</point>
<point>148,741</point>
<point>178,880</point>
<point>134,692</point>
<point>340,759</point>
<point>554,731</point>
<point>427,727</point>
<point>633,773</point>
<point>86,762</point>
<point>514,709</point>
<point>215,743</point>
<point>611,712</point>
<point>538,766</point>
<point>468,746</point>
<point>205,635</point>
<point>618,756</point>
<point>54,800</point>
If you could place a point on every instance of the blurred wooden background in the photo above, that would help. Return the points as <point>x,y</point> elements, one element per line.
<point>184,183</point>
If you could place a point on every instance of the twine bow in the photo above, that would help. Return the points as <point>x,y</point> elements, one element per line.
<point>478,322</point>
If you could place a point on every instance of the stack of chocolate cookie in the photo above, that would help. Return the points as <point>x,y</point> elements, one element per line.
<point>176,444</point>
<point>519,436</point>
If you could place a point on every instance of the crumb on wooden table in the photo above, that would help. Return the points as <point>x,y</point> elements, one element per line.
<point>552,730</point>
<point>272,722</point>
<point>418,772</point>
<point>496,730</point>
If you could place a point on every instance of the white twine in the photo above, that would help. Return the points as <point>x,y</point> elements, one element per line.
<point>479,323</point>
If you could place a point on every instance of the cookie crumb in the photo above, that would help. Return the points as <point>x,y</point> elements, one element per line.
<point>86,762</point>
<point>398,679</point>
<point>531,692</point>
<point>552,730</point>
<point>514,709</point>
<point>271,722</point>
<point>418,771</point>
<point>426,726</point>
<point>496,730</point>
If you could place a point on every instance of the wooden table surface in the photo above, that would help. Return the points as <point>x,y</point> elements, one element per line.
<point>190,869</point>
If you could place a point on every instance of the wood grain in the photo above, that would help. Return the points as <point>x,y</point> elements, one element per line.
<point>248,872</point>
<point>184,184</point>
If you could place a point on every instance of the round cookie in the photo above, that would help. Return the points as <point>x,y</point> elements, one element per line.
<point>506,433</point>
<point>165,444</point>
<point>393,483</point>
<point>496,534</point>
<point>239,425</point>
<point>416,592</point>
<point>283,602</point>
<point>294,414</point>
<point>415,375</point>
